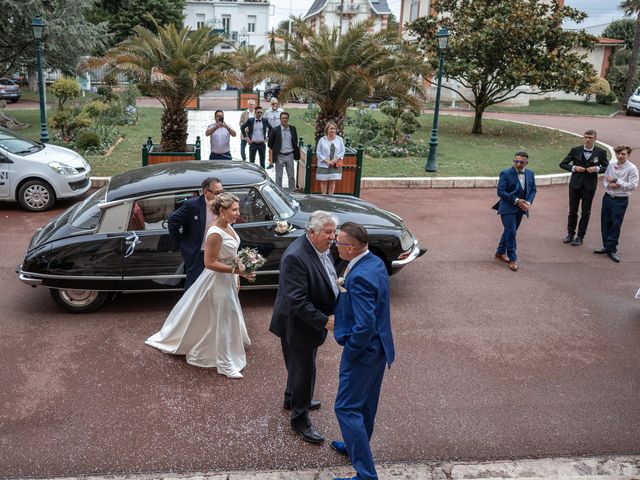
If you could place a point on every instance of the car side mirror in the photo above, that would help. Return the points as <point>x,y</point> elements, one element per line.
<point>5,159</point>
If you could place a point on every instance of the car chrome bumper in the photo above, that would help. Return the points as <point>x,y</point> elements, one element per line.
<point>416,252</point>
<point>26,279</point>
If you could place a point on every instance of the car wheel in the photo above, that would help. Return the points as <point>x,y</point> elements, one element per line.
<point>36,196</point>
<point>268,96</point>
<point>14,100</point>
<point>79,301</point>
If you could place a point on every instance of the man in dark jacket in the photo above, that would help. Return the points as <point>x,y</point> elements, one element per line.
<point>303,313</point>
<point>256,132</point>
<point>188,226</point>
<point>585,163</point>
<point>283,142</point>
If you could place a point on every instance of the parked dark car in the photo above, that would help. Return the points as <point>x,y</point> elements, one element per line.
<point>116,240</point>
<point>9,90</point>
<point>274,90</point>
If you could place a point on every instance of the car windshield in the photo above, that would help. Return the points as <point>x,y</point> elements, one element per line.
<point>12,143</point>
<point>87,213</point>
<point>283,204</point>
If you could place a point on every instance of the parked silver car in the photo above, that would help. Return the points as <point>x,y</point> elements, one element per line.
<point>633,105</point>
<point>36,174</point>
<point>9,90</point>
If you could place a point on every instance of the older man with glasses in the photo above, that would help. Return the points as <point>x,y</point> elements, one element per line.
<point>272,115</point>
<point>516,189</point>
<point>188,226</point>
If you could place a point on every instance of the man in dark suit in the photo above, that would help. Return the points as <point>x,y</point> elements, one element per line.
<point>363,329</point>
<point>256,131</point>
<point>516,189</point>
<point>283,142</point>
<point>303,313</point>
<point>188,226</point>
<point>584,163</point>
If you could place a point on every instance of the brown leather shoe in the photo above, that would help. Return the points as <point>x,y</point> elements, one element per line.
<point>513,266</point>
<point>502,257</point>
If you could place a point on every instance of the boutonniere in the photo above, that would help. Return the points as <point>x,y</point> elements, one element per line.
<point>195,217</point>
<point>340,282</point>
<point>596,159</point>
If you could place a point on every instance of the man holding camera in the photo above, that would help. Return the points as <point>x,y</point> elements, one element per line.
<point>220,134</point>
<point>620,179</point>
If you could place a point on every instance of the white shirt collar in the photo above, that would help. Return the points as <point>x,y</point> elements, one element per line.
<point>355,260</point>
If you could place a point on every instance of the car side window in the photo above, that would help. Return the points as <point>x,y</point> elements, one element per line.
<point>253,208</point>
<point>152,213</point>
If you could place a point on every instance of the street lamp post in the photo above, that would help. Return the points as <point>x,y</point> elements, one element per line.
<point>37,25</point>
<point>443,39</point>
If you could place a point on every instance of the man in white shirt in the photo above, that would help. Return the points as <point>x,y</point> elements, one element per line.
<point>620,179</point>
<point>272,115</point>
<point>220,134</point>
<point>246,115</point>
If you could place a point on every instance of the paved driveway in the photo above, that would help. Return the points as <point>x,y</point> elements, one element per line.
<point>490,363</point>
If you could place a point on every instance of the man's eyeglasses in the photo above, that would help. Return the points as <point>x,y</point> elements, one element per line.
<point>520,161</point>
<point>216,192</point>
<point>335,242</point>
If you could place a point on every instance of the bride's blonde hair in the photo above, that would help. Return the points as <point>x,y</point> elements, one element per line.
<point>224,200</point>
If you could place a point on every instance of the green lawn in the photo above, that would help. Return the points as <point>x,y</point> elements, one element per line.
<point>560,107</point>
<point>459,152</point>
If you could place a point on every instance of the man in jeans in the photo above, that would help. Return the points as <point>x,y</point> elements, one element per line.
<point>220,133</point>
<point>283,142</point>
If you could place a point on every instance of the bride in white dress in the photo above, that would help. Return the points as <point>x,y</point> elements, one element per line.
<point>207,324</point>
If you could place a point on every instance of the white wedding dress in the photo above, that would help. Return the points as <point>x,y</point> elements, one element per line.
<point>207,325</point>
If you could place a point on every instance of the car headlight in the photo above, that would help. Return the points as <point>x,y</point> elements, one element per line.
<point>62,169</point>
<point>406,239</point>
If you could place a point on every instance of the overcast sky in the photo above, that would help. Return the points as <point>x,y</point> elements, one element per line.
<point>600,12</point>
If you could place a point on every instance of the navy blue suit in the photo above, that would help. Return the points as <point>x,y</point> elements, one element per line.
<point>186,229</point>
<point>363,328</point>
<point>509,190</point>
<point>304,302</point>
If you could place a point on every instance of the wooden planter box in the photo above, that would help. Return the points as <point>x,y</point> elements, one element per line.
<point>244,97</point>
<point>351,171</point>
<point>151,154</point>
<point>193,104</point>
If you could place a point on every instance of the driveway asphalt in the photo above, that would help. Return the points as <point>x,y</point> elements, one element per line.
<point>491,364</point>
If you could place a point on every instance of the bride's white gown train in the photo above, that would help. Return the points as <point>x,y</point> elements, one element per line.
<point>207,325</point>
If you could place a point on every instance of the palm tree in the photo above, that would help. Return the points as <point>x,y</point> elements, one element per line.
<point>631,8</point>
<point>246,58</point>
<point>338,71</point>
<point>174,66</point>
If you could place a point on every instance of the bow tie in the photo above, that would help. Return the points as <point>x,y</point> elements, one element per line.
<point>588,151</point>
<point>520,173</point>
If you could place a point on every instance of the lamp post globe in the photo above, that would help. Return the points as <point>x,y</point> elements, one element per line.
<point>37,26</point>
<point>442,38</point>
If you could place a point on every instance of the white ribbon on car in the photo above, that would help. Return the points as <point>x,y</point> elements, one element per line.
<point>132,240</point>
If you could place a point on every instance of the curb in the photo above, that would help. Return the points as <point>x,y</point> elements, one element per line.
<point>615,467</point>
<point>422,182</point>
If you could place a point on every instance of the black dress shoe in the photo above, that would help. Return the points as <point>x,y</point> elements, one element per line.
<point>601,251</point>
<point>308,434</point>
<point>614,257</point>
<point>577,241</point>
<point>568,239</point>
<point>315,405</point>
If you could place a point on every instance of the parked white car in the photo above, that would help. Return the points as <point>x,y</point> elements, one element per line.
<point>36,174</point>
<point>633,105</point>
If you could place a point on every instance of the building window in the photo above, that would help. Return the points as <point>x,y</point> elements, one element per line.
<point>415,5</point>
<point>199,20</point>
<point>226,23</point>
<point>251,24</point>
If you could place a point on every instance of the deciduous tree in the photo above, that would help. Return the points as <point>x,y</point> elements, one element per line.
<point>496,47</point>
<point>632,8</point>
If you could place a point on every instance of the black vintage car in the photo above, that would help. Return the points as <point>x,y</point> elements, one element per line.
<point>116,240</point>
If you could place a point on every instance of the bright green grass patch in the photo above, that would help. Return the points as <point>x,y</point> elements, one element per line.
<point>560,107</point>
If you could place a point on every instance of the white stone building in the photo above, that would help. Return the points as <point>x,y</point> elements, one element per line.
<point>241,21</point>
<point>343,13</point>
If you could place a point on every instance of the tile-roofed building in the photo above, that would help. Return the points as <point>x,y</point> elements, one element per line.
<point>343,13</point>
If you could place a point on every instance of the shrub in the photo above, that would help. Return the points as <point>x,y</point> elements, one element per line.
<point>363,127</point>
<point>87,140</point>
<point>600,88</point>
<point>606,99</point>
<point>65,89</point>
<point>130,95</point>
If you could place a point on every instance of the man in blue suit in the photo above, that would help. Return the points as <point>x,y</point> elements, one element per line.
<point>188,226</point>
<point>516,189</point>
<point>363,327</point>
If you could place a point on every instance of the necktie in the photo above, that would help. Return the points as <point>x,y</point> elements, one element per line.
<point>331,272</point>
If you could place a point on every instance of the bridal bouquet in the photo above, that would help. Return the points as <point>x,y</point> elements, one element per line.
<point>248,260</point>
